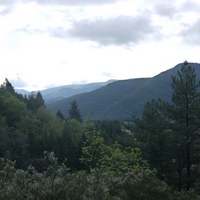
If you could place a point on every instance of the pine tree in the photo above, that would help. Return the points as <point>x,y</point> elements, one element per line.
<point>154,138</point>
<point>184,113</point>
<point>7,87</point>
<point>60,115</point>
<point>39,99</point>
<point>74,112</point>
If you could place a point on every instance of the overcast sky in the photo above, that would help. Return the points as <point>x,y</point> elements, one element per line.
<point>48,43</point>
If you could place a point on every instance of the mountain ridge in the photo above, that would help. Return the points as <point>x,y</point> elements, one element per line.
<point>124,98</point>
<point>54,94</point>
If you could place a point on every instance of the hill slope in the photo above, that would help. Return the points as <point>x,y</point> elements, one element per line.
<point>96,101</point>
<point>54,94</point>
<point>123,99</point>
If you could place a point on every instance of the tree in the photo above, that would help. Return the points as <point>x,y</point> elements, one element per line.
<point>51,128</point>
<point>11,108</point>
<point>70,143</point>
<point>39,100</point>
<point>60,115</point>
<point>74,112</point>
<point>113,159</point>
<point>184,114</point>
<point>55,182</point>
<point>154,138</point>
<point>7,86</point>
<point>34,101</point>
<point>31,184</point>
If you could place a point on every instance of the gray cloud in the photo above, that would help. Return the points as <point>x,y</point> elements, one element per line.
<point>8,5</point>
<point>8,2</point>
<point>190,34</point>
<point>165,9</point>
<point>190,6</point>
<point>59,32</point>
<point>121,30</point>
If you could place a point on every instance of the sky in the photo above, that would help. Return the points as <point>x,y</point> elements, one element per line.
<point>49,43</point>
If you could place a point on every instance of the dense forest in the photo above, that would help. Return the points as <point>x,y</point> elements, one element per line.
<point>45,155</point>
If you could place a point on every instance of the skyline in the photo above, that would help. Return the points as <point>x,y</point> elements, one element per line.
<point>64,42</point>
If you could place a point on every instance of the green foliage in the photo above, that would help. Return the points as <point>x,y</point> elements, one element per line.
<point>113,159</point>
<point>155,138</point>
<point>92,151</point>
<point>50,123</point>
<point>55,182</point>
<point>113,131</point>
<point>11,108</point>
<point>142,186</point>
<point>27,128</point>
<point>70,143</point>
<point>119,160</point>
<point>75,131</point>
<point>31,184</point>
<point>7,171</point>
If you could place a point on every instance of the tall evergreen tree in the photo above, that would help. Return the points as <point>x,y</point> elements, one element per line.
<point>60,115</point>
<point>74,112</point>
<point>71,143</point>
<point>39,99</point>
<point>154,138</point>
<point>7,87</point>
<point>184,113</point>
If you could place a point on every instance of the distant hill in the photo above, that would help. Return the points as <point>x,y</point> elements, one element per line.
<point>23,92</point>
<point>54,94</point>
<point>123,99</point>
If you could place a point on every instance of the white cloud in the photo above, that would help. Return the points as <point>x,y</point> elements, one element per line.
<point>59,2</point>
<point>45,43</point>
<point>75,3</point>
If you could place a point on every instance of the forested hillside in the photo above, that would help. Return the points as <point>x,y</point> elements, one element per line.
<point>123,99</point>
<point>101,99</point>
<point>44,155</point>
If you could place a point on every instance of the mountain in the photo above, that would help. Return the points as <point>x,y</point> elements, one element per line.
<point>54,94</point>
<point>123,99</point>
<point>51,95</point>
<point>23,92</point>
<point>96,101</point>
